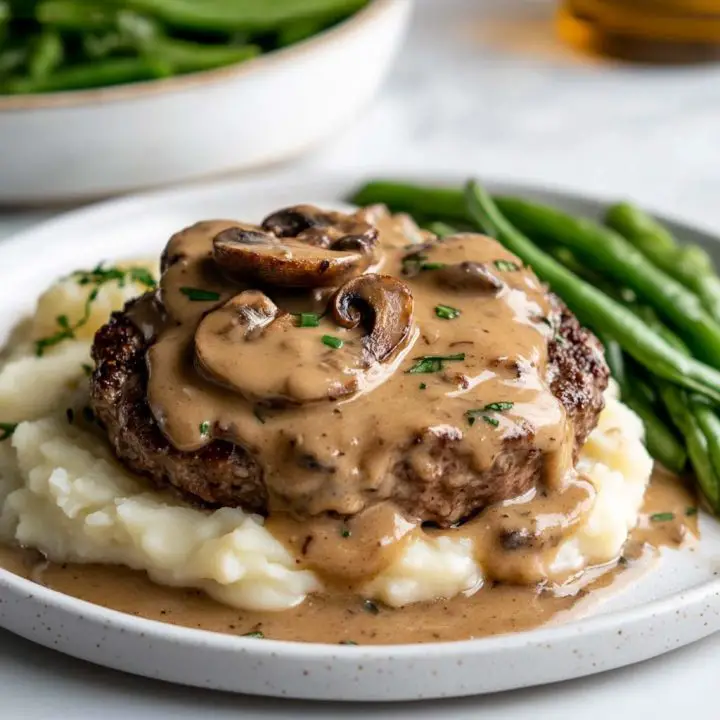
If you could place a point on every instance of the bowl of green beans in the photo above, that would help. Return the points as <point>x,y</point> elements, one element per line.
<point>99,97</point>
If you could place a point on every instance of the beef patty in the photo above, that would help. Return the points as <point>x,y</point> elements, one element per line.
<point>225,474</point>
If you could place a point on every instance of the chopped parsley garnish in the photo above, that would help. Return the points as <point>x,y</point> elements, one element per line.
<point>348,642</point>
<point>87,369</point>
<point>433,363</point>
<point>417,261</point>
<point>332,342</point>
<point>499,406</point>
<point>7,430</point>
<point>142,276</point>
<point>432,266</point>
<point>255,634</point>
<point>662,517</point>
<point>98,276</point>
<point>345,532</point>
<point>199,295</point>
<point>205,428</point>
<point>473,415</point>
<point>446,312</point>
<point>371,607</point>
<point>308,320</point>
<point>506,265</point>
<point>690,511</point>
<point>423,386</point>
<point>66,330</point>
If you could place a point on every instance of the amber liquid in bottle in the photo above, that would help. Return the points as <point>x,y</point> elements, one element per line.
<point>665,31</point>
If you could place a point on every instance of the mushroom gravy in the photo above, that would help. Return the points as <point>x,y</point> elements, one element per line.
<point>344,617</point>
<point>342,394</point>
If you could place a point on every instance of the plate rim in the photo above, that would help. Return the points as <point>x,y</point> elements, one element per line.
<point>146,203</point>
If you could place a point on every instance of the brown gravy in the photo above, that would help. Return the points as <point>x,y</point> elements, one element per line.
<point>339,617</point>
<point>334,427</point>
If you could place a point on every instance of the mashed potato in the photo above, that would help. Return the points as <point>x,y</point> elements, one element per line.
<point>61,491</point>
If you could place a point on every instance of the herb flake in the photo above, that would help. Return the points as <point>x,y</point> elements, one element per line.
<point>662,517</point>
<point>332,342</point>
<point>506,265</point>
<point>255,634</point>
<point>446,312</point>
<point>205,428</point>
<point>347,642</point>
<point>308,320</point>
<point>7,430</point>
<point>690,511</point>
<point>433,363</point>
<point>500,406</point>
<point>199,295</point>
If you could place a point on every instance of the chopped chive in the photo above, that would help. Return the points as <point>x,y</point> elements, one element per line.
<point>306,320</point>
<point>473,415</point>
<point>432,266</point>
<point>7,430</point>
<point>347,642</point>
<point>506,265</point>
<point>255,634</point>
<point>345,532</point>
<point>199,295</point>
<point>446,312</point>
<point>662,517</point>
<point>371,607</point>
<point>690,511</point>
<point>332,342</point>
<point>417,261</point>
<point>142,276</point>
<point>433,363</point>
<point>499,406</point>
<point>423,386</point>
<point>205,428</point>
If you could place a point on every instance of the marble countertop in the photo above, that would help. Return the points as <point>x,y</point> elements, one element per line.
<point>482,87</point>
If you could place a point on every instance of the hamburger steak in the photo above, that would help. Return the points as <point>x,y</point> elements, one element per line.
<point>433,468</point>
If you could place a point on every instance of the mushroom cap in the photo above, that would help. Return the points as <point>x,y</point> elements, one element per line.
<point>265,259</point>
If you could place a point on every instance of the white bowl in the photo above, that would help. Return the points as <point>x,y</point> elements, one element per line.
<point>92,143</point>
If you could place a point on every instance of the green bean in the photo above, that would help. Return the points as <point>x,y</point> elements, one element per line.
<point>594,307</point>
<point>437,203</point>
<point>678,407</point>
<point>47,55</point>
<point>298,31</point>
<point>611,253</point>
<point>660,440</point>
<point>91,75</point>
<point>76,15</point>
<point>689,265</point>
<point>183,56</point>
<point>230,15</point>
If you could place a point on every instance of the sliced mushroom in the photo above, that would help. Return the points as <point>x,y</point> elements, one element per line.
<point>257,350</point>
<point>313,226</point>
<point>471,276</point>
<point>384,305</point>
<point>263,258</point>
<point>252,347</point>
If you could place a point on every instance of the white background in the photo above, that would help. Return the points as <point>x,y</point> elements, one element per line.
<point>482,87</point>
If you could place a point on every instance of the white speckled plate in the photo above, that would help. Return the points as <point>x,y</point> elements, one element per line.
<point>675,604</point>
